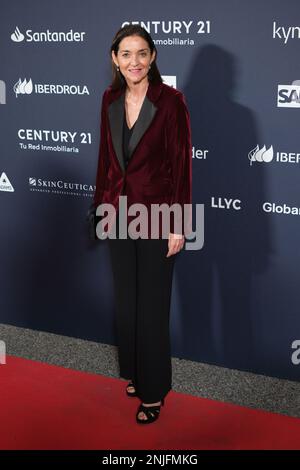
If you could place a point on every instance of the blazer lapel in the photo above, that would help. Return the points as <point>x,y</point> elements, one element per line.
<point>116,120</point>
<point>115,114</point>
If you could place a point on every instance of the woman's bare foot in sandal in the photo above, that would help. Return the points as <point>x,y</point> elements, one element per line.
<point>141,414</point>
<point>130,390</point>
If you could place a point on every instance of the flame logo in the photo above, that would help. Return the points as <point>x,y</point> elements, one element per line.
<point>23,87</point>
<point>261,155</point>
<point>17,36</point>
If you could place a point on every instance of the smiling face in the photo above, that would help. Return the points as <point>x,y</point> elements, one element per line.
<point>133,58</point>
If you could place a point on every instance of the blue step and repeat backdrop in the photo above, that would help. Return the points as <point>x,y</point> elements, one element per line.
<point>235,302</point>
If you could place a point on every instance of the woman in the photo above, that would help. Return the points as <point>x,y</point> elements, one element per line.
<point>145,154</point>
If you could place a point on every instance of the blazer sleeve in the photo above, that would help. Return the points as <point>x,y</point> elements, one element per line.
<point>103,158</point>
<point>180,157</point>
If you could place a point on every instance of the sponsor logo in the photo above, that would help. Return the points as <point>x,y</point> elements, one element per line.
<point>24,87</point>
<point>261,155</point>
<point>174,32</point>
<point>288,96</point>
<point>5,184</point>
<point>285,33</point>
<point>60,187</point>
<point>52,141</point>
<point>170,80</point>
<point>17,36</point>
<point>264,155</point>
<point>199,154</point>
<point>47,36</point>
<point>225,203</point>
<point>280,208</point>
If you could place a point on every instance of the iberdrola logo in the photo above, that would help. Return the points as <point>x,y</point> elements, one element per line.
<point>23,87</point>
<point>261,155</point>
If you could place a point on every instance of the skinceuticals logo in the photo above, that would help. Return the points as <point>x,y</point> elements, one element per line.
<point>26,87</point>
<point>5,184</point>
<point>288,96</point>
<point>47,36</point>
<point>60,187</point>
<point>2,92</point>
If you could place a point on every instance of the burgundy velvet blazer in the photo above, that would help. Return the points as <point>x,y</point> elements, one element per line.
<point>160,151</point>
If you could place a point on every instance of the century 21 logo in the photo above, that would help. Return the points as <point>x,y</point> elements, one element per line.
<point>296,354</point>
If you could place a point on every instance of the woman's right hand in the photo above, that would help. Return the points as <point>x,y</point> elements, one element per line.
<point>175,244</point>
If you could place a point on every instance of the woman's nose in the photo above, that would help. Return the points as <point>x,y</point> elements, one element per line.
<point>134,61</point>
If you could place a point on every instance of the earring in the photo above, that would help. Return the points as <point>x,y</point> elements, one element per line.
<point>118,70</point>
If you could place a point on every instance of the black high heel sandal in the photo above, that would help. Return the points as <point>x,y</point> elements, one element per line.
<point>130,394</point>
<point>152,413</point>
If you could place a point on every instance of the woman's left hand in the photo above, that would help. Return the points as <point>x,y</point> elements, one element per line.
<point>176,243</point>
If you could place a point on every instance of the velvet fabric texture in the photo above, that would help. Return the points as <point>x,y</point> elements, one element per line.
<point>160,153</point>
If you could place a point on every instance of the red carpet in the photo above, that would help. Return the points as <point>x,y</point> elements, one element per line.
<point>50,407</point>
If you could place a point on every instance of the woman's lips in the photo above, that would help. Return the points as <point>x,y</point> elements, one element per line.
<point>135,70</point>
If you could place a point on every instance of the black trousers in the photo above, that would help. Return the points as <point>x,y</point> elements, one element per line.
<point>143,282</point>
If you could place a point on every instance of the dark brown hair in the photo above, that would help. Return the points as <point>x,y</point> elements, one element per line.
<point>118,80</point>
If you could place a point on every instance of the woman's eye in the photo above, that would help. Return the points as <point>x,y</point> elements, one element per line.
<point>142,54</point>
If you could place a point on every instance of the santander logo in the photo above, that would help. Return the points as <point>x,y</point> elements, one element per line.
<point>17,36</point>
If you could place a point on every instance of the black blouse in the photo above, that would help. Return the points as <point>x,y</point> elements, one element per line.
<point>126,136</point>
